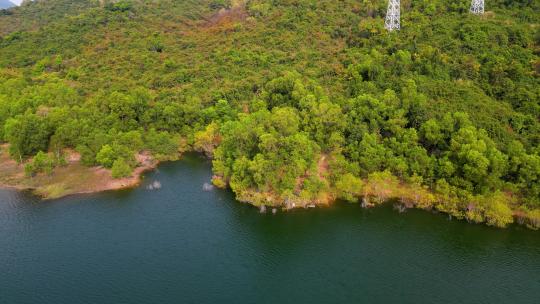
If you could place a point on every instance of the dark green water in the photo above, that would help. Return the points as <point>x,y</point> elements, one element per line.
<point>180,244</point>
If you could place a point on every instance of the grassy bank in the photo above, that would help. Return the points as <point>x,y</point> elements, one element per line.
<point>68,179</point>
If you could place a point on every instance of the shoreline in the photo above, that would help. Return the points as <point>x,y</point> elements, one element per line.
<point>132,181</point>
<point>71,179</point>
<point>61,184</point>
<point>253,198</point>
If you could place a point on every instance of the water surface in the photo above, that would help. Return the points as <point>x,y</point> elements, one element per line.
<point>180,244</point>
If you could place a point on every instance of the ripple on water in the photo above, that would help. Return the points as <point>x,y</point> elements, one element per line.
<point>184,244</point>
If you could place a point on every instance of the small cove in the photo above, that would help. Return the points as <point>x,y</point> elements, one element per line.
<point>180,243</point>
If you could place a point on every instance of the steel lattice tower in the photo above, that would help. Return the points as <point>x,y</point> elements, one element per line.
<point>477,7</point>
<point>392,15</point>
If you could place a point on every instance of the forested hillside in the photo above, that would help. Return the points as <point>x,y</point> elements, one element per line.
<point>298,102</point>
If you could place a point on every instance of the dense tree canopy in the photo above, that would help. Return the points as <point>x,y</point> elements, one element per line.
<point>296,100</point>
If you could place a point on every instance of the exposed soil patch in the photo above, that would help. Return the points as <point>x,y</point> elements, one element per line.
<point>322,167</point>
<point>225,18</point>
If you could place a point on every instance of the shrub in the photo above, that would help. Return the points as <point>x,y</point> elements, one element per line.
<point>533,219</point>
<point>497,212</point>
<point>349,187</point>
<point>41,163</point>
<point>106,156</point>
<point>120,6</point>
<point>121,168</point>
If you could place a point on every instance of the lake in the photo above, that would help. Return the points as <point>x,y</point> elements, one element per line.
<point>182,244</point>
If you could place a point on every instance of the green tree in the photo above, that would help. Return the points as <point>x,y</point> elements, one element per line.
<point>27,134</point>
<point>349,187</point>
<point>497,212</point>
<point>106,156</point>
<point>121,168</point>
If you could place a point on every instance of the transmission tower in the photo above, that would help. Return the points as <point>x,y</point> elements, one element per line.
<point>477,7</point>
<point>392,15</point>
